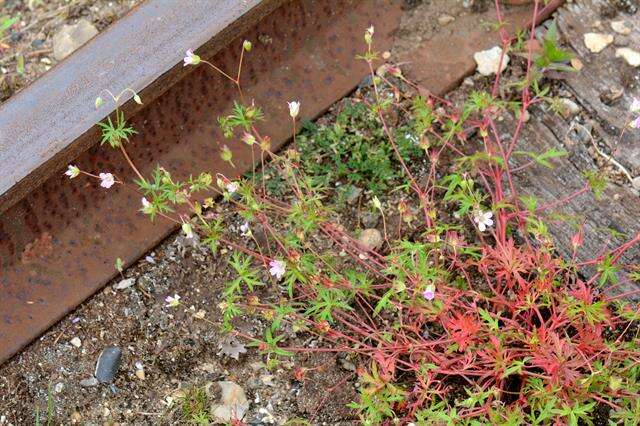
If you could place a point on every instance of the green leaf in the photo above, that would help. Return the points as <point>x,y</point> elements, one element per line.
<point>20,65</point>
<point>492,322</point>
<point>6,22</point>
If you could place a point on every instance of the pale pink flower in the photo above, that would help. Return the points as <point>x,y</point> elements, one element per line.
<point>232,187</point>
<point>147,207</point>
<point>191,58</point>
<point>172,301</point>
<point>429,292</point>
<point>483,219</point>
<point>277,268</point>
<point>294,108</point>
<point>635,105</point>
<point>72,171</point>
<point>106,180</point>
<point>636,123</point>
<point>248,138</point>
<point>245,231</point>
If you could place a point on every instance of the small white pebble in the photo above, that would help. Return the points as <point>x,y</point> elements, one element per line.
<point>596,42</point>
<point>631,56</point>
<point>488,61</point>
<point>126,283</point>
<point>76,342</point>
<point>620,27</point>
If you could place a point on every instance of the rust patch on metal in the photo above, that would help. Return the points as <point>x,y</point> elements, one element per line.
<point>41,247</point>
<point>304,50</point>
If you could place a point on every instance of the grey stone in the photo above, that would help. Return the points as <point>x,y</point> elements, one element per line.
<point>126,283</point>
<point>233,403</point>
<point>71,37</point>
<point>569,108</point>
<point>370,220</point>
<point>90,382</point>
<point>108,364</point>
<point>370,238</point>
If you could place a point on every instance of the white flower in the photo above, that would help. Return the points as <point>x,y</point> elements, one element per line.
<point>72,171</point>
<point>147,207</point>
<point>191,58</point>
<point>370,30</point>
<point>244,230</point>
<point>294,108</point>
<point>232,187</point>
<point>172,301</point>
<point>106,180</point>
<point>188,231</point>
<point>376,203</point>
<point>483,219</point>
<point>635,105</point>
<point>277,268</point>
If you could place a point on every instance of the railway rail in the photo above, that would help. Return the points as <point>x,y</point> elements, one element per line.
<point>58,242</point>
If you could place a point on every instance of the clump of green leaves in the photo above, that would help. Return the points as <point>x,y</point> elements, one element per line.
<point>551,55</point>
<point>195,407</point>
<point>354,150</point>
<point>116,133</point>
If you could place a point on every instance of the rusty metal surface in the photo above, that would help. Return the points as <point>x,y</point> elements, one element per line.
<point>442,62</point>
<point>59,242</point>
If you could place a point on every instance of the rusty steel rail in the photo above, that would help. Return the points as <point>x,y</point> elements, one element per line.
<point>59,238</point>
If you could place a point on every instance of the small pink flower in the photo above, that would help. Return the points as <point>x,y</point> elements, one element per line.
<point>191,58</point>
<point>245,231</point>
<point>635,105</point>
<point>106,180</point>
<point>429,292</point>
<point>277,268</point>
<point>72,171</point>
<point>248,138</point>
<point>636,123</point>
<point>147,207</point>
<point>294,108</point>
<point>483,219</point>
<point>232,187</point>
<point>172,301</point>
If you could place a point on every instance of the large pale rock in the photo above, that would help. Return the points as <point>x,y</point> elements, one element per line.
<point>489,60</point>
<point>71,37</point>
